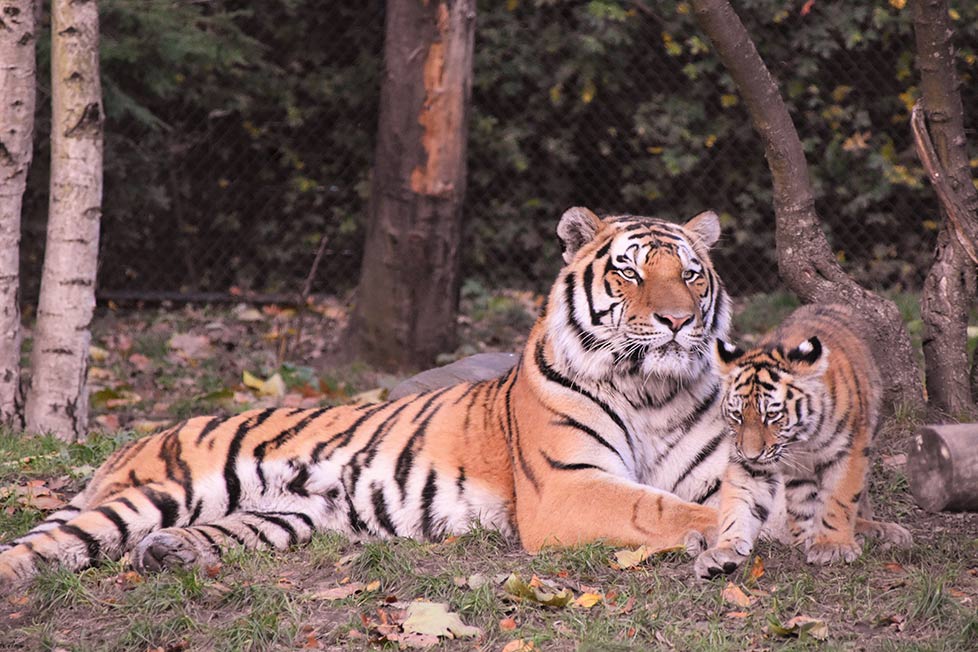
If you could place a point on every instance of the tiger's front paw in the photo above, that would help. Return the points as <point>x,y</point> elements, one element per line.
<point>721,560</point>
<point>829,552</point>
<point>173,548</point>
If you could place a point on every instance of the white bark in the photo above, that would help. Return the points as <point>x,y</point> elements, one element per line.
<point>57,400</point>
<point>17,98</point>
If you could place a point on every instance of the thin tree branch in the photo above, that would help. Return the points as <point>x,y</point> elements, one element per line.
<point>962,220</point>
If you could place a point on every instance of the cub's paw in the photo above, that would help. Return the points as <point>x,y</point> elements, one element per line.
<point>829,552</point>
<point>888,534</point>
<point>170,548</point>
<point>719,561</point>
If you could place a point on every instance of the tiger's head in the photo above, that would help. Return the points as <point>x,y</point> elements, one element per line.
<point>772,396</point>
<point>638,295</point>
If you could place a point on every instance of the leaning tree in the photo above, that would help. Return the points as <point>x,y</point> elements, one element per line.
<point>805,259</point>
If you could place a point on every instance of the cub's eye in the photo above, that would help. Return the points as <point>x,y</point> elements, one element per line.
<point>628,273</point>
<point>690,274</point>
<point>735,415</point>
<point>774,416</point>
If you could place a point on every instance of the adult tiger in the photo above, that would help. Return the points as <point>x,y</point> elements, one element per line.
<point>608,428</point>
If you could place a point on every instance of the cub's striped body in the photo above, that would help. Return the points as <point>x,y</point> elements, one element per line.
<point>608,428</point>
<point>803,407</point>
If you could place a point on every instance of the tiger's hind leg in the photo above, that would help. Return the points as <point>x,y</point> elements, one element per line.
<point>202,544</point>
<point>888,534</point>
<point>105,530</point>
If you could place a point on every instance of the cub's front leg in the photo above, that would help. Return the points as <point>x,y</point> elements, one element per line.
<point>746,499</point>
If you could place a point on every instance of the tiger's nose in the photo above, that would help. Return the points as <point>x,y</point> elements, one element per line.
<point>674,322</point>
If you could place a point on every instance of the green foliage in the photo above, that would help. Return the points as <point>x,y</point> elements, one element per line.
<point>238,135</point>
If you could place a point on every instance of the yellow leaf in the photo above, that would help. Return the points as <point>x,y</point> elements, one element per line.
<point>898,4</point>
<point>735,595</point>
<point>434,618</point>
<point>930,225</point>
<point>953,13</point>
<point>252,381</point>
<point>511,5</point>
<point>97,353</point>
<point>710,141</point>
<point>274,386</point>
<point>587,94</point>
<point>371,396</point>
<point>629,558</point>
<point>372,586</point>
<point>728,100</point>
<point>588,600</point>
<point>519,645</point>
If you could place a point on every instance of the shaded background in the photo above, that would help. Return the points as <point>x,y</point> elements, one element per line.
<point>237,137</point>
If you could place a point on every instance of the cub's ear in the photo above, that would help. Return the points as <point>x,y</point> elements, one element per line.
<point>577,227</point>
<point>727,355</point>
<point>809,356</point>
<point>706,228</point>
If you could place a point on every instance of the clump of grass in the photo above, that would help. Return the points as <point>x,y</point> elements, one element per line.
<point>271,617</point>
<point>145,633</point>
<point>388,561</point>
<point>326,548</point>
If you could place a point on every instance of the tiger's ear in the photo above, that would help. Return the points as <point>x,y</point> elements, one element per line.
<point>577,227</point>
<point>706,228</point>
<point>727,355</point>
<point>809,357</point>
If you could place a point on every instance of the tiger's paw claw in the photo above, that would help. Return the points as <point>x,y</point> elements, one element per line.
<point>830,552</point>
<point>717,561</point>
<point>163,550</point>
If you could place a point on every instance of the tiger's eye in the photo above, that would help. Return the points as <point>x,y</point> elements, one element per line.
<point>689,275</point>
<point>628,273</point>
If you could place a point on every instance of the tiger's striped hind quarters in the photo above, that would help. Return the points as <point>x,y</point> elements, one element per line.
<point>802,407</point>
<point>608,428</point>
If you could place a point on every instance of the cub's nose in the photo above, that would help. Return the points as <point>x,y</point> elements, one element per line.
<point>674,322</point>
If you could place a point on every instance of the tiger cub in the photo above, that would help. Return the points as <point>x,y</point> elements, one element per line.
<point>802,408</point>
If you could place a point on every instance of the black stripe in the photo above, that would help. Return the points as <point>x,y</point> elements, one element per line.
<point>196,513</point>
<point>345,436</point>
<point>258,533</point>
<point>566,420</point>
<point>298,484</point>
<point>164,503</point>
<point>551,374</point>
<point>91,543</point>
<point>701,457</point>
<point>226,532</point>
<point>177,469</point>
<point>405,461</point>
<point>118,521</point>
<point>380,510</point>
<point>568,466</point>
<point>427,499</point>
<point>760,512</point>
<point>209,428</point>
<point>279,439</point>
<point>231,481</point>
<point>299,515</point>
<point>280,522</point>
<point>715,487</point>
<point>214,547</point>
<point>125,501</point>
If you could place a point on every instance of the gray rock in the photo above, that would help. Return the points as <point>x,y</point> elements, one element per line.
<point>481,366</point>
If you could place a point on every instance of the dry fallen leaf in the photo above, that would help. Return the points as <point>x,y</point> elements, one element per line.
<point>630,558</point>
<point>507,624</point>
<point>800,626</point>
<point>588,600</point>
<point>534,591</point>
<point>519,645</point>
<point>756,569</point>
<point>434,619</point>
<point>735,595</point>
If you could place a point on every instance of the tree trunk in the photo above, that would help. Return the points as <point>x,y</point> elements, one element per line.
<point>57,400</point>
<point>18,90</point>
<point>805,259</point>
<point>407,298</point>
<point>948,289</point>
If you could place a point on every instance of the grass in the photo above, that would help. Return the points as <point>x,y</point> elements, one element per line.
<point>921,599</point>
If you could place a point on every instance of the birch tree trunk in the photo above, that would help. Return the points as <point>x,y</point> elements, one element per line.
<point>407,298</point>
<point>18,82</point>
<point>805,259</point>
<point>948,293</point>
<point>57,400</point>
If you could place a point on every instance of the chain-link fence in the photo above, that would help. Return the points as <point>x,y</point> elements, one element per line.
<point>238,137</point>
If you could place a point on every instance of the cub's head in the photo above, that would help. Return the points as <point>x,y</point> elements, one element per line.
<point>772,396</point>
<point>638,295</point>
